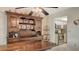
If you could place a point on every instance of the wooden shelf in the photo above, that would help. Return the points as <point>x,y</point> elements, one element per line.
<point>27,23</point>
<point>29,26</point>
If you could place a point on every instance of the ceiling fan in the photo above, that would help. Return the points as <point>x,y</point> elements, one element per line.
<point>43,11</point>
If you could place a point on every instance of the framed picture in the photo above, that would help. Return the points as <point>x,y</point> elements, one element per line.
<point>26,21</point>
<point>31,26</point>
<point>31,21</point>
<point>28,27</point>
<point>23,26</point>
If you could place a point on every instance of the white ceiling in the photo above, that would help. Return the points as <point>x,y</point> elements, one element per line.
<point>27,10</point>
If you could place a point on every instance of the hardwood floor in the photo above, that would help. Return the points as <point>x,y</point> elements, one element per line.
<point>27,46</point>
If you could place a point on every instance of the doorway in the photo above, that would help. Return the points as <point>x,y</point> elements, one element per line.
<point>61,30</point>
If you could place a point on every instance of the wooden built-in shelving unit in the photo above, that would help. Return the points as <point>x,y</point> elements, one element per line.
<point>25,32</point>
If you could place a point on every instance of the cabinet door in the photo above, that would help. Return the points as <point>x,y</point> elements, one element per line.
<point>38,25</point>
<point>13,21</point>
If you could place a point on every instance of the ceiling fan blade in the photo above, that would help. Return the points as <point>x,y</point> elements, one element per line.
<point>51,7</point>
<point>44,12</point>
<point>30,13</point>
<point>20,7</point>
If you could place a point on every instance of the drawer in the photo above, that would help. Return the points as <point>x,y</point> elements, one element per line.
<point>37,45</point>
<point>15,48</point>
<point>45,44</point>
<point>29,47</point>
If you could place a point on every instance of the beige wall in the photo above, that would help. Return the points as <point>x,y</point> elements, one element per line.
<point>72,30</point>
<point>48,23</point>
<point>44,25</point>
<point>3,28</point>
